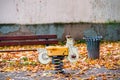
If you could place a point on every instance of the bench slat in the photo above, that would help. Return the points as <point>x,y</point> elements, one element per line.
<point>18,50</point>
<point>15,43</point>
<point>31,37</point>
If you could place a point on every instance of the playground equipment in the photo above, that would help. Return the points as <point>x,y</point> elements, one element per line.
<point>57,53</point>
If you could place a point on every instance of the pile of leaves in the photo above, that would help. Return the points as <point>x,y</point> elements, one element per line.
<point>28,61</point>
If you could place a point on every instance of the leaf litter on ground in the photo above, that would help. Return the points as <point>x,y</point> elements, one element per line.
<point>28,61</point>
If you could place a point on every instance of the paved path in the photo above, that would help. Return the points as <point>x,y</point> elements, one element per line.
<point>74,75</point>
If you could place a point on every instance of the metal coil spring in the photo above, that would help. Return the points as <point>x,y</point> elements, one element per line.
<point>57,61</point>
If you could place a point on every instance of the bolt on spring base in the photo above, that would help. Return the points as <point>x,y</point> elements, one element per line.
<point>57,61</point>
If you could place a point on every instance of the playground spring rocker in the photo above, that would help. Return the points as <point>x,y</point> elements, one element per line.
<point>57,53</point>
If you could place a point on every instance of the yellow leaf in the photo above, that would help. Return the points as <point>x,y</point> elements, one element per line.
<point>92,77</point>
<point>47,67</point>
<point>8,69</point>
<point>97,66</point>
<point>8,78</point>
<point>118,62</point>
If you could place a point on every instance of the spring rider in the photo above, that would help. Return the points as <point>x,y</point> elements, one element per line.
<point>57,53</point>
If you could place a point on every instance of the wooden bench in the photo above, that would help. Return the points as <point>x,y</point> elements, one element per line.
<point>27,40</point>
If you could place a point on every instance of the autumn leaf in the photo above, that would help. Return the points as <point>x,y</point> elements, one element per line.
<point>9,69</point>
<point>92,77</point>
<point>8,78</point>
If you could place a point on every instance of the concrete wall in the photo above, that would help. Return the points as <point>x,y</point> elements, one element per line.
<point>108,31</point>
<point>85,17</point>
<point>58,11</point>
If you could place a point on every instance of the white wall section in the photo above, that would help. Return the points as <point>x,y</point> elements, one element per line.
<point>58,11</point>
